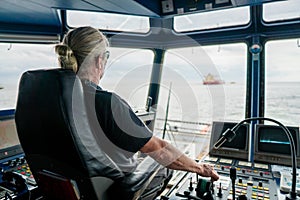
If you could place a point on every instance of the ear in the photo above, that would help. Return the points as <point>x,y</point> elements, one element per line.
<point>99,61</point>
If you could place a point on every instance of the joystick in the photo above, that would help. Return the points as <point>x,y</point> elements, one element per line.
<point>219,194</point>
<point>233,177</point>
<point>191,184</point>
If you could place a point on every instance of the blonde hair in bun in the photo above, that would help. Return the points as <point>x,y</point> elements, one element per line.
<point>66,57</point>
<point>79,48</point>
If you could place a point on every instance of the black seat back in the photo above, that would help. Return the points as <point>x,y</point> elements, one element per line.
<point>56,136</point>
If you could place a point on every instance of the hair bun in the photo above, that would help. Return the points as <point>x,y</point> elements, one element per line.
<point>66,57</point>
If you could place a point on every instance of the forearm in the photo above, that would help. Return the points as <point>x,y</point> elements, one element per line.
<point>170,157</point>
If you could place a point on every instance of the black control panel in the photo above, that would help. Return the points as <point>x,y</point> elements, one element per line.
<point>16,179</point>
<point>18,166</point>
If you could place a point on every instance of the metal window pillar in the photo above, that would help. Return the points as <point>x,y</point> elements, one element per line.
<point>154,85</point>
<point>255,53</point>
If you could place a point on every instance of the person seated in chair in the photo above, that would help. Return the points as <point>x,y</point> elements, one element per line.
<point>121,132</point>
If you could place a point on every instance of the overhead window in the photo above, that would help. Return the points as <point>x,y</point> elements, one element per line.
<point>283,10</point>
<point>108,21</point>
<point>282,81</point>
<point>212,19</point>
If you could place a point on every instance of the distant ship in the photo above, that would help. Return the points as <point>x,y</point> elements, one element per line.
<point>211,80</point>
<point>1,87</point>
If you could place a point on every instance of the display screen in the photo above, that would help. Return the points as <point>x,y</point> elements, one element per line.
<point>9,141</point>
<point>8,134</point>
<point>240,140</point>
<point>273,139</point>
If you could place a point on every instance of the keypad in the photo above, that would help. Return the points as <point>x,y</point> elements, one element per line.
<point>257,192</point>
<point>24,170</point>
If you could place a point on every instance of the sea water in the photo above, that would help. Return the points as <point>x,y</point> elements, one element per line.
<point>202,103</point>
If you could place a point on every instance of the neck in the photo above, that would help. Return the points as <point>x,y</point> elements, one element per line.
<point>94,80</point>
<point>90,75</point>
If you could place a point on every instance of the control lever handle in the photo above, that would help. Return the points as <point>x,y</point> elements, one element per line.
<point>203,189</point>
<point>219,194</point>
<point>233,177</point>
<point>191,184</point>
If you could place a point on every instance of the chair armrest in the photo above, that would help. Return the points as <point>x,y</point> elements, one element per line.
<point>132,185</point>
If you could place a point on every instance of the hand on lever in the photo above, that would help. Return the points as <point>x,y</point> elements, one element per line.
<point>207,170</point>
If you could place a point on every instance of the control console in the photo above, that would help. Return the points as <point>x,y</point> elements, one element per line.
<point>18,165</point>
<point>16,178</point>
<point>252,181</point>
<point>262,179</point>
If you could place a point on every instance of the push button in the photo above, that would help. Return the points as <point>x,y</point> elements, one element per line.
<point>250,183</point>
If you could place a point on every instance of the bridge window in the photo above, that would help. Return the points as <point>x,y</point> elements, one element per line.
<point>283,10</point>
<point>128,74</point>
<point>16,59</point>
<point>208,83</point>
<point>282,81</point>
<point>108,21</point>
<point>212,19</point>
<point>193,105</point>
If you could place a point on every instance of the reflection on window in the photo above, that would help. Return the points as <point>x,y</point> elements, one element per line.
<point>282,81</point>
<point>208,83</point>
<point>282,10</point>
<point>128,74</point>
<point>108,21</point>
<point>16,59</point>
<point>212,19</point>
